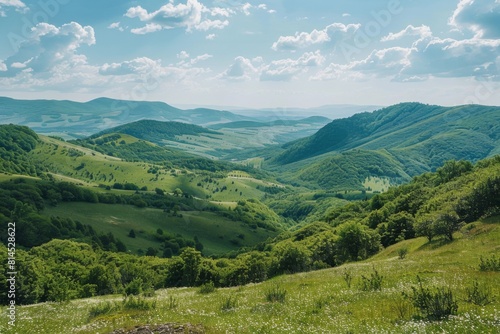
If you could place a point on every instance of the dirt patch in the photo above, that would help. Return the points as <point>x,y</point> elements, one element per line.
<point>163,329</point>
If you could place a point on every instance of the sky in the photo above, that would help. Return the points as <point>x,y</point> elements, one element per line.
<point>253,54</point>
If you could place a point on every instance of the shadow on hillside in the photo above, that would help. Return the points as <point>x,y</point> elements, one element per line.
<point>434,244</point>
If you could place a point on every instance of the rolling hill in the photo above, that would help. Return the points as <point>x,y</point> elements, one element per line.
<point>413,138</point>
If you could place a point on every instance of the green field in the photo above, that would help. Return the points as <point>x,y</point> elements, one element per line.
<point>217,234</point>
<point>318,301</point>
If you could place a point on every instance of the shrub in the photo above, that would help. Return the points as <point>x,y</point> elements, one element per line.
<point>347,276</point>
<point>402,252</point>
<point>489,264</point>
<point>102,308</point>
<point>433,305</point>
<point>228,303</point>
<point>372,283</point>
<point>207,288</point>
<point>172,303</point>
<point>276,294</point>
<point>138,303</point>
<point>479,295</point>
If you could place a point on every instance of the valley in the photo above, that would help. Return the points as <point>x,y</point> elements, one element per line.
<point>161,210</point>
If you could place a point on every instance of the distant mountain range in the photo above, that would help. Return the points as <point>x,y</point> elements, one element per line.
<point>80,119</point>
<point>83,119</point>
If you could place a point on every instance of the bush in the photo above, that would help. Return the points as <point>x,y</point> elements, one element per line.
<point>433,305</point>
<point>138,303</point>
<point>372,283</point>
<point>276,294</point>
<point>402,252</point>
<point>347,276</point>
<point>102,308</point>
<point>228,303</point>
<point>207,288</point>
<point>479,295</point>
<point>490,264</point>
<point>172,303</point>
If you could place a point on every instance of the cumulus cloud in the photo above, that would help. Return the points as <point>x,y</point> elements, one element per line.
<point>17,4</point>
<point>50,47</point>
<point>210,37</point>
<point>287,69</point>
<point>241,69</point>
<point>141,65</point>
<point>333,33</point>
<point>454,58</point>
<point>480,16</point>
<point>427,57</point>
<point>422,32</point>
<point>192,16</point>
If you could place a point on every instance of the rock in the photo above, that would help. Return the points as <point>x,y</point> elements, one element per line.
<point>163,329</point>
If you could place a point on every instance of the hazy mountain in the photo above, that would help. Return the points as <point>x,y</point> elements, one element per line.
<point>78,119</point>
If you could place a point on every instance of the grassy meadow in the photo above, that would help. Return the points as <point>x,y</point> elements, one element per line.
<point>217,234</point>
<point>312,302</point>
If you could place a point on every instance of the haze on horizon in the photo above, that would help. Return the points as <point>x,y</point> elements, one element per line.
<point>252,54</point>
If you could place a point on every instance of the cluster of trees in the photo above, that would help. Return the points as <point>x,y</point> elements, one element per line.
<point>432,205</point>
<point>62,269</point>
<point>15,144</point>
<point>349,170</point>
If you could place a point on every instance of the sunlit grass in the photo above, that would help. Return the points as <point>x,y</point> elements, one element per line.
<point>316,302</point>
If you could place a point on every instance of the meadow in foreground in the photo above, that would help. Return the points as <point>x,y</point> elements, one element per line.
<point>373,296</point>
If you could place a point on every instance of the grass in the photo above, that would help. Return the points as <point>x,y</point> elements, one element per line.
<point>213,231</point>
<point>316,302</point>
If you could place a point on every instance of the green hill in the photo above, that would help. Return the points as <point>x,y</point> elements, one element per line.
<point>413,137</point>
<point>155,131</point>
<point>409,127</point>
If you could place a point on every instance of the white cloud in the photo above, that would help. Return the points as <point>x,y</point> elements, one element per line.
<point>210,37</point>
<point>217,11</point>
<point>148,28</point>
<point>454,58</point>
<point>3,67</point>
<point>240,70</point>
<point>17,4</point>
<point>346,15</point>
<point>426,58</point>
<point>287,69</point>
<point>246,8</point>
<point>191,15</point>
<point>480,16</point>
<point>422,32</point>
<point>212,24</point>
<point>50,47</point>
<point>183,55</point>
<point>116,25</point>
<point>141,65</point>
<point>333,33</point>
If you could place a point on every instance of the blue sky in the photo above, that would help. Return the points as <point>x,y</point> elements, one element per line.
<point>280,53</point>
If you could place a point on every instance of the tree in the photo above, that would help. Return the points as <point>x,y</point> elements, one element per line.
<point>446,224</point>
<point>131,234</point>
<point>191,268</point>
<point>159,191</point>
<point>292,258</point>
<point>357,242</point>
<point>424,227</point>
<point>177,192</point>
<point>399,227</point>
